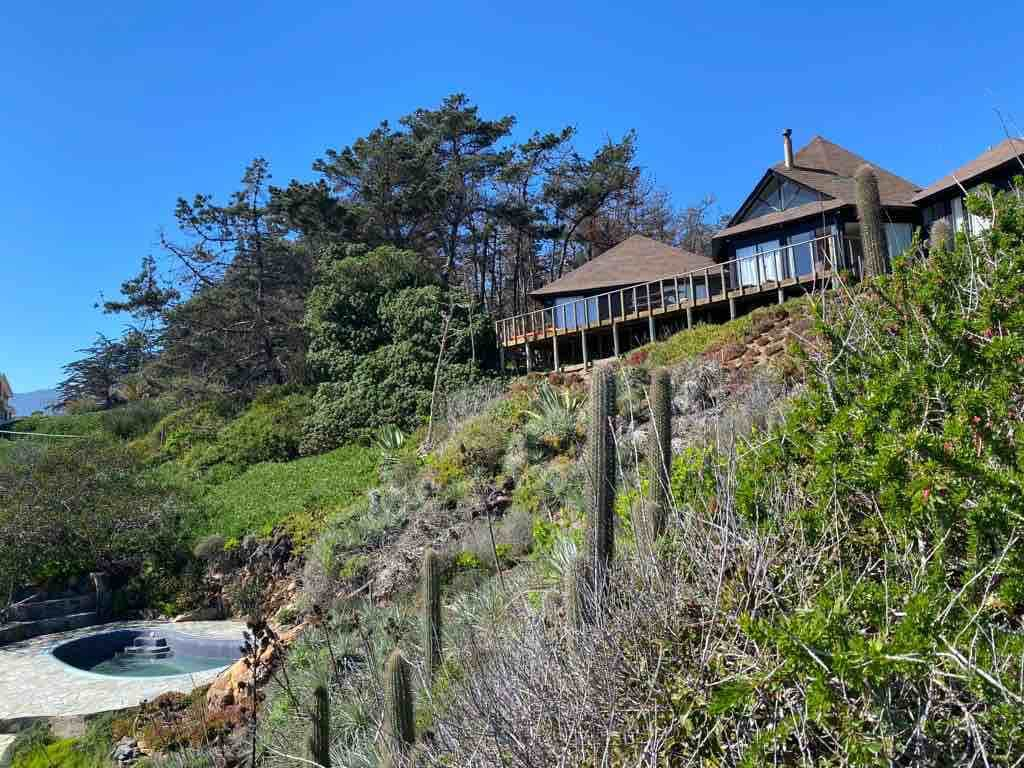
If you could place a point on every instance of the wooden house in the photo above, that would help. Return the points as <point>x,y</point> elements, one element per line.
<point>6,409</point>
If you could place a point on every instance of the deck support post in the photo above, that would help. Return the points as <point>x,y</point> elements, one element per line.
<point>554,347</point>
<point>615,339</point>
<point>583,343</point>
<point>650,327</point>
<point>782,296</point>
<point>501,356</point>
<point>689,317</point>
<point>732,308</point>
<point>529,359</point>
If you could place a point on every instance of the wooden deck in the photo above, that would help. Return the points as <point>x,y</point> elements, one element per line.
<point>696,295</point>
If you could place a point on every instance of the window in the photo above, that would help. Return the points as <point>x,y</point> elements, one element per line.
<point>574,311</point>
<point>758,259</point>
<point>898,237</point>
<point>780,194</point>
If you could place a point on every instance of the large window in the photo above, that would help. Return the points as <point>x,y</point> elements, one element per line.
<point>780,194</point>
<point>760,259</point>
<point>898,237</point>
<point>574,311</point>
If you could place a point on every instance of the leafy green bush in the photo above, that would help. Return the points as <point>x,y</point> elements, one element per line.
<point>268,430</point>
<point>134,419</point>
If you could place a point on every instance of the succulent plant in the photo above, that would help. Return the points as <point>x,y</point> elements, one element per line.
<point>320,739</point>
<point>659,450</point>
<point>399,726</point>
<point>872,230</point>
<point>432,627</point>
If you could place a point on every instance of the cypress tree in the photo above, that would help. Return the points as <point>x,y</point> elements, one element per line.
<point>872,229</point>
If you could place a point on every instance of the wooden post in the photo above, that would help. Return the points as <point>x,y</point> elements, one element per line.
<point>615,339</point>
<point>732,308</point>
<point>689,317</point>
<point>725,288</point>
<point>529,358</point>
<point>554,347</point>
<point>650,325</point>
<point>782,296</point>
<point>707,284</point>
<point>675,281</point>
<point>693,295</point>
<point>583,343</point>
<point>501,356</point>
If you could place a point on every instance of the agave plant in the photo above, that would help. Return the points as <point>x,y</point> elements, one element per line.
<point>553,417</point>
<point>389,440</point>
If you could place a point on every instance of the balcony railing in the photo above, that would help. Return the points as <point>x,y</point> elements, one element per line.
<point>804,262</point>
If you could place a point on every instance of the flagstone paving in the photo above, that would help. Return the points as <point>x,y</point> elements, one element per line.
<point>35,684</point>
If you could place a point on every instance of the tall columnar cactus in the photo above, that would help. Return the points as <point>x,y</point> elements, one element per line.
<point>939,235</point>
<point>399,727</point>
<point>872,230</point>
<point>320,739</point>
<point>432,628</point>
<point>601,477</point>
<point>659,450</point>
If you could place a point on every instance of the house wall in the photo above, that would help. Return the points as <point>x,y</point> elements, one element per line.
<point>951,206</point>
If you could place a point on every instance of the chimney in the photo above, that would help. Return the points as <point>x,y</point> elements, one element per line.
<point>787,146</point>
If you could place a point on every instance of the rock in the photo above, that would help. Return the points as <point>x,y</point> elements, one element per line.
<point>231,686</point>
<point>209,613</point>
<point>126,751</point>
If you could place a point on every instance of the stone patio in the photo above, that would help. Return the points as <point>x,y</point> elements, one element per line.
<point>34,684</point>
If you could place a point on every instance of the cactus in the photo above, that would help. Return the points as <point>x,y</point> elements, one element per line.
<point>578,594</point>
<point>659,450</point>
<point>399,727</point>
<point>320,739</point>
<point>872,230</point>
<point>432,629</point>
<point>601,479</point>
<point>939,235</point>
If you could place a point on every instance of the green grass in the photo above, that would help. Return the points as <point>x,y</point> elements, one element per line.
<point>299,492</point>
<point>65,424</point>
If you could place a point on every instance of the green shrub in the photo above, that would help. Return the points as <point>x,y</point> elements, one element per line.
<point>268,430</point>
<point>133,419</point>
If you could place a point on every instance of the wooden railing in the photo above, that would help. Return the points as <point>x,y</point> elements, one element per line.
<point>740,277</point>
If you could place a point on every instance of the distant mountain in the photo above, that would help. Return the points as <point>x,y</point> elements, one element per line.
<point>27,403</point>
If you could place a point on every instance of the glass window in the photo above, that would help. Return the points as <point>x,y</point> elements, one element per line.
<point>898,237</point>
<point>760,257</point>
<point>574,311</point>
<point>780,194</point>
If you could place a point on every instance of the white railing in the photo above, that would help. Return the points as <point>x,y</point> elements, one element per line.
<point>808,261</point>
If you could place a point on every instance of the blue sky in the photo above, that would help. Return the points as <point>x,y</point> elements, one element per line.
<point>109,114</point>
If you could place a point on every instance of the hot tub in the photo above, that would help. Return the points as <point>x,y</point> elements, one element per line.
<point>146,653</point>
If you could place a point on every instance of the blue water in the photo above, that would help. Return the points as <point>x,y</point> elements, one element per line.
<point>125,665</point>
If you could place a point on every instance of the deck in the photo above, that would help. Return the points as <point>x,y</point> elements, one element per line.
<point>699,295</point>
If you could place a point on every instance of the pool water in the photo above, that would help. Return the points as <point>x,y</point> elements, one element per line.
<point>161,652</point>
<point>124,665</point>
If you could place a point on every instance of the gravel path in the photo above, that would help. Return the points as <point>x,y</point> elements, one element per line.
<point>34,684</point>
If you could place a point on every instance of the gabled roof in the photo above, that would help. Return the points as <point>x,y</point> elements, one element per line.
<point>1008,150</point>
<point>828,169</point>
<point>637,259</point>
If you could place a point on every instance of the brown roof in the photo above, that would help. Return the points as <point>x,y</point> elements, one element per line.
<point>637,259</point>
<point>828,169</point>
<point>1006,151</point>
<point>5,388</point>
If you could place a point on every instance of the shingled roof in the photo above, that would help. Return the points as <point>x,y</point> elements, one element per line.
<point>828,169</point>
<point>637,259</point>
<point>1005,151</point>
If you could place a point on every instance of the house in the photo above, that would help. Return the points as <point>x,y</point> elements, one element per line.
<point>6,409</point>
<point>945,199</point>
<point>800,219</point>
<point>793,233</point>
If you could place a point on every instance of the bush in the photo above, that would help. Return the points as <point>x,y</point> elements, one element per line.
<point>268,430</point>
<point>134,419</point>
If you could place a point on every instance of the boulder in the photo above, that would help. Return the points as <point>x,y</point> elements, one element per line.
<point>231,686</point>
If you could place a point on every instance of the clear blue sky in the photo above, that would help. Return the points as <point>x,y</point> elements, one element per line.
<point>110,113</point>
